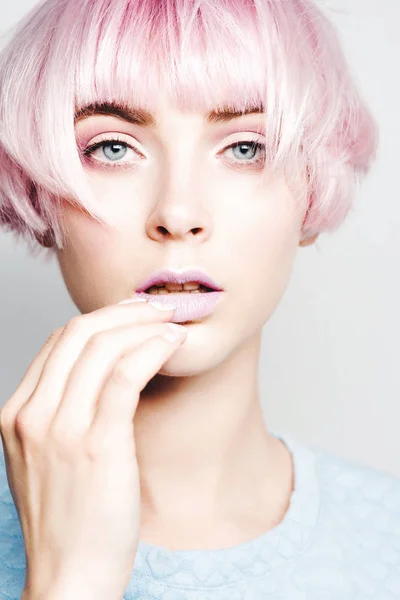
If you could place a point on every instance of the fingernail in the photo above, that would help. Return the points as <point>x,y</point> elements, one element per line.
<point>176,333</point>
<point>163,306</point>
<point>137,299</point>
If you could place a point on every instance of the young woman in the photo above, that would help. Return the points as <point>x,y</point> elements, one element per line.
<point>174,152</point>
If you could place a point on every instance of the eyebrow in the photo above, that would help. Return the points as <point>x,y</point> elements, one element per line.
<point>144,118</point>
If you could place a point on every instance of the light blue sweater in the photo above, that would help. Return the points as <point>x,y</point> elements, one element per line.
<point>339,540</point>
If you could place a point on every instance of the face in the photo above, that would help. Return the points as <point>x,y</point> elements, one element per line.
<point>185,194</point>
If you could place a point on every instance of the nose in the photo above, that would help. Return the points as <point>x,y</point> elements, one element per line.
<point>179,211</point>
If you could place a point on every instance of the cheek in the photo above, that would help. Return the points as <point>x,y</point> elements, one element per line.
<point>91,251</point>
<point>86,237</point>
<point>267,231</point>
<point>118,198</point>
<point>120,195</point>
<point>265,246</point>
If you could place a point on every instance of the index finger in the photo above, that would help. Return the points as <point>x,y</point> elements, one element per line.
<point>32,374</point>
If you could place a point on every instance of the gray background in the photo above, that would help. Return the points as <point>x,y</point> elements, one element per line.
<point>329,369</point>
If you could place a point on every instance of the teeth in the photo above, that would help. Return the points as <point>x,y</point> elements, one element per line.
<point>154,290</point>
<point>157,292</point>
<point>191,287</point>
<point>178,287</point>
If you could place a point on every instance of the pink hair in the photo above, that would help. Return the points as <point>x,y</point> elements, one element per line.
<point>281,54</point>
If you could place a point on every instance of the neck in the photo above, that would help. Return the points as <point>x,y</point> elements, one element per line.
<point>202,443</point>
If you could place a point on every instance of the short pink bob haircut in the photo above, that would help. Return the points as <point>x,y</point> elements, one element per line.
<point>282,55</point>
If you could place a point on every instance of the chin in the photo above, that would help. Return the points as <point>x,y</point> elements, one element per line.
<point>189,361</point>
<point>183,366</point>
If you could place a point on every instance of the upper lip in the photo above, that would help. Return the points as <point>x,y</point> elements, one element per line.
<point>171,276</point>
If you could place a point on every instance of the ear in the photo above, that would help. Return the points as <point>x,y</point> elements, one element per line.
<point>309,241</point>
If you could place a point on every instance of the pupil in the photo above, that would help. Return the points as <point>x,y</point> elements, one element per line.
<point>245,150</point>
<point>115,150</point>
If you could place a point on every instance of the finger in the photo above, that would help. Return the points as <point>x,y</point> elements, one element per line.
<point>29,382</point>
<point>95,364</point>
<point>50,388</point>
<point>119,398</point>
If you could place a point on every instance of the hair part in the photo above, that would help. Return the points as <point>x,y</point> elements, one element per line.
<point>282,55</point>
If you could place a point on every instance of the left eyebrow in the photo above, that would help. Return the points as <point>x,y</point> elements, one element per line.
<point>144,118</point>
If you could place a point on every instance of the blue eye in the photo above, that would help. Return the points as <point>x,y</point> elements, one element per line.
<point>244,152</point>
<point>113,150</point>
<point>248,146</point>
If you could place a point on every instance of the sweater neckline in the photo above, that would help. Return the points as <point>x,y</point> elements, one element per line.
<point>208,569</point>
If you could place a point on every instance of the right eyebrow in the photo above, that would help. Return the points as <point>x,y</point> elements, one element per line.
<point>144,118</point>
<point>136,116</point>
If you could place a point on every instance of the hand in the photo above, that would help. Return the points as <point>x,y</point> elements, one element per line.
<point>70,454</point>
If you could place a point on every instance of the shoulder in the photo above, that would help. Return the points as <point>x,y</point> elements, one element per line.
<point>361,502</point>
<point>354,548</point>
<point>351,481</point>
<point>12,551</point>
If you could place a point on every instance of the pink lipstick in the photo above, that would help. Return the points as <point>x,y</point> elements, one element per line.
<point>193,292</point>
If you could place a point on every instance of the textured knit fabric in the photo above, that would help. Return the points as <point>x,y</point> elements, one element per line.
<point>339,540</point>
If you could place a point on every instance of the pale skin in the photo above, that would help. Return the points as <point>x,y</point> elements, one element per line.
<point>203,410</point>
<point>182,417</point>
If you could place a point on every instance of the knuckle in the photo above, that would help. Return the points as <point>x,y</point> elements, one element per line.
<point>6,419</point>
<point>23,422</point>
<point>75,324</point>
<point>95,446</point>
<point>123,373</point>
<point>97,340</point>
<point>53,337</point>
<point>27,425</point>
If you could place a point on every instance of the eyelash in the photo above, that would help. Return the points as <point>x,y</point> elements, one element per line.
<point>254,144</point>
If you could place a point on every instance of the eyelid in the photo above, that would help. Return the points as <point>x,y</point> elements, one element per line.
<point>240,137</point>
<point>244,137</point>
<point>116,137</point>
<point>231,138</point>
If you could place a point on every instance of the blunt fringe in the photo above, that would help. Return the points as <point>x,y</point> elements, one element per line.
<point>284,55</point>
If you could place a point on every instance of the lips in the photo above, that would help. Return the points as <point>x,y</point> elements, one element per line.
<point>169,276</point>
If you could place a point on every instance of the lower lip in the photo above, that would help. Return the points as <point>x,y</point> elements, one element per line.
<point>190,307</point>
